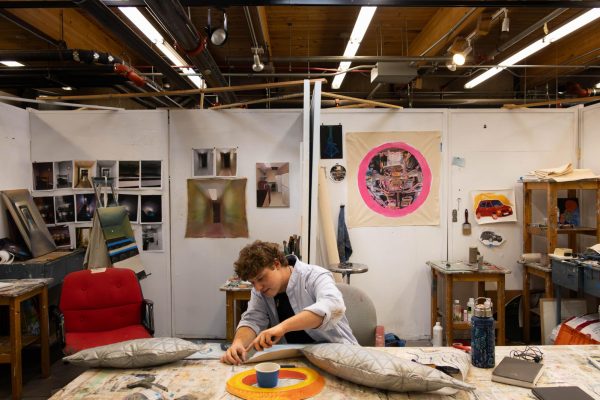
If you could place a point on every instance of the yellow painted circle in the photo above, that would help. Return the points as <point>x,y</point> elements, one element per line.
<point>312,384</point>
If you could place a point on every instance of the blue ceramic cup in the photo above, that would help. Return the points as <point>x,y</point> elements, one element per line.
<point>267,374</point>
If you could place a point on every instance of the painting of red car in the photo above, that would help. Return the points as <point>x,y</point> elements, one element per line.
<point>492,208</point>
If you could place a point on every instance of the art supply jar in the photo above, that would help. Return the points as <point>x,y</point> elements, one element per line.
<point>483,336</point>
<point>456,311</point>
<point>437,335</point>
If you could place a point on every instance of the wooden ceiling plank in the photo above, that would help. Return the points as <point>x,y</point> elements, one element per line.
<point>75,29</point>
<point>439,26</point>
<point>581,47</point>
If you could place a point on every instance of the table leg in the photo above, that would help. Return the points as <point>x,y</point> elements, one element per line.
<point>548,286</point>
<point>44,337</point>
<point>481,289</point>
<point>434,298</point>
<point>229,317</point>
<point>501,311</point>
<point>448,320</point>
<point>15,348</point>
<point>526,305</point>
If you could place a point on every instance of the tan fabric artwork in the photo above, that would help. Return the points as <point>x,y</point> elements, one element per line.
<point>216,208</point>
<point>393,178</point>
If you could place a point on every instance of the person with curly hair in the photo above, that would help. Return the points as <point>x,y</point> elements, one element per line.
<point>291,302</point>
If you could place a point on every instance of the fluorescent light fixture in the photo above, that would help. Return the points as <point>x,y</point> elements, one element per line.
<point>67,88</point>
<point>12,63</point>
<point>561,32</point>
<point>598,85</point>
<point>142,23</point>
<point>360,28</point>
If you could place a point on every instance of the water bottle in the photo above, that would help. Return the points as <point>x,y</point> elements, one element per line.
<point>437,335</point>
<point>483,337</point>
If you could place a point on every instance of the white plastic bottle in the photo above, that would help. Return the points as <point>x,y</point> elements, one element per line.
<point>437,335</point>
<point>470,306</point>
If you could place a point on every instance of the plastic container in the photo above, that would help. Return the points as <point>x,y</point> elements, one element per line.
<point>456,311</point>
<point>437,335</point>
<point>470,305</point>
<point>483,336</point>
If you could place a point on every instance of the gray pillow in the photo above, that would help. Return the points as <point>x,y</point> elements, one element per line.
<point>378,369</point>
<point>135,353</point>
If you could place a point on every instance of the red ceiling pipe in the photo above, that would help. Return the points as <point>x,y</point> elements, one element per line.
<point>130,74</point>
<point>576,89</point>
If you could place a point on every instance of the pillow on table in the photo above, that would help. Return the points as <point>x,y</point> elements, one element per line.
<point>135,353</point>
<point>378,369</point>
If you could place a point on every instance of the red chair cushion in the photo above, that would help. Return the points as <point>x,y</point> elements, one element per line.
<point>101,301</point>
<point>76,341</point>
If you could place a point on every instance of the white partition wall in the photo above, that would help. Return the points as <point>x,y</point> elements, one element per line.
<point>590,158</point>
<point>201,265</point>
<point>498,147</point>
<point>398,278</point>
<point>15,172</point>
<point>116,135</point>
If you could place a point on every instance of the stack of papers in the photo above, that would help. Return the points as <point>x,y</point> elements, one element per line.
<point>564,173</point>
<point>549,173</point>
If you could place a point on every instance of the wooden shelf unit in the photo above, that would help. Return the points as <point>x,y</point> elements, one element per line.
<point>551,231</point>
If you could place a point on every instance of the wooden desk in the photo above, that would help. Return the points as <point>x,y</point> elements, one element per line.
<point>10,348</point>
<point>544,272</point>
<point>233,307</point>
<point>488,273</point>
<point>206,379</point>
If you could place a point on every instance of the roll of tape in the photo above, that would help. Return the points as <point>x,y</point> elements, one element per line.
<point>531,257</point>
<point>6,257</point>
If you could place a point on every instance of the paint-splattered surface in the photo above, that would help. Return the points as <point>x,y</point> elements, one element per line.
<point>205,379</point>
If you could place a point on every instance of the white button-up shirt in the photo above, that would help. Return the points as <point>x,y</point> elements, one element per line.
<point>311,288</point>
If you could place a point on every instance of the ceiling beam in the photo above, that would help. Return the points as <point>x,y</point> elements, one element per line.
<point>446,24</point>
<point>70,26</point>
<point>379,3</point>
<point>580,47</point>
<point>110,21</point>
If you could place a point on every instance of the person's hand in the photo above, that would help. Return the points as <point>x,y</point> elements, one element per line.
<point>267,338</point>
<point>235,354</point>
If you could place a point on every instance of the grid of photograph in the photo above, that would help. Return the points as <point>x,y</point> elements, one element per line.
<point>69,211</point>
<point>214,162</point>
<point>135,174</point>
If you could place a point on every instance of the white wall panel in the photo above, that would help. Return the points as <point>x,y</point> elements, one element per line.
<point>15,164</point>
<point>498,147</point>
<point>115,135</point>
<point>201,265</point>
<point>398,280</point>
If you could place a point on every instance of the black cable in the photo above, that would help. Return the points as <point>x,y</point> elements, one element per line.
<point>530,353</point>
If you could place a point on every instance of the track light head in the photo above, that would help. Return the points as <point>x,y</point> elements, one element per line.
<point>450,65</point>
<point>505,23</point>
<point>218,36</point>
<point>258,66</point>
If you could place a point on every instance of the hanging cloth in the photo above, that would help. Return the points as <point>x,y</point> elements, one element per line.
<point>343,239</point>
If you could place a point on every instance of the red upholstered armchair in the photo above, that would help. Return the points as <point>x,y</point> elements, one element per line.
<point>100,308</point>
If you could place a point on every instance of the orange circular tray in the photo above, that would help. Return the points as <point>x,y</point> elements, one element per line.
<point>311,384</point>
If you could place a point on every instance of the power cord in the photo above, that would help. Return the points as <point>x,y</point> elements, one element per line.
<point>530,353</point>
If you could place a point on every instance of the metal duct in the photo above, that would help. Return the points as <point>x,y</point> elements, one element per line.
<point>173,17</point>
<point>109,20</point>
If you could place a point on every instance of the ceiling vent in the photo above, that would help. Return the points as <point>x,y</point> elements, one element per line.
<point>393,72</point>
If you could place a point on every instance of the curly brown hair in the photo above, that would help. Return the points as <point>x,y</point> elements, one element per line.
<point>256,256</point>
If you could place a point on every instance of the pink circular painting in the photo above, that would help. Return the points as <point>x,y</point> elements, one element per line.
<point>394,179</point>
